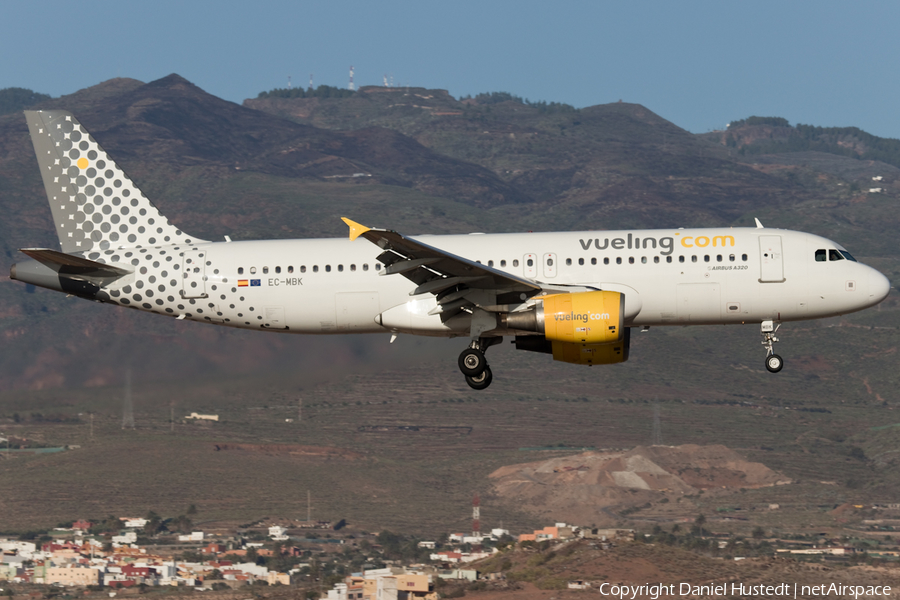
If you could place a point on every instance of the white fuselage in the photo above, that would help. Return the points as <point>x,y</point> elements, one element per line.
<point>669,277</point>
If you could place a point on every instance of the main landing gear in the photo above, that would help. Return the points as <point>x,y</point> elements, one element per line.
<point>774,363</point>
<point>473,363</point>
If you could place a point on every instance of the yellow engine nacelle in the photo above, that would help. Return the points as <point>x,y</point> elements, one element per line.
<point>584,317</point>
<point>592,354</point>
<point>576,353</point>
<point>584,328</point>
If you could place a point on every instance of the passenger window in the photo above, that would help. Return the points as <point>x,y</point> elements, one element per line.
<point>680,259</point>
<point>718,258</point>
<point>731,257</point>
<point>618,260</point>
<point>834,255</point>
<point>365,266</point>
<point>694,258</point>
<point>253,270</point>
<point>593,261</point>
<point>630,260</point>
<point>490,263</point>
<point>668,259</point>
<point>240,270</point>
<point>644,260</point>
<point>290,269</point>
<point>656,260</point>
<point>568,262</point>
<point>606,261</point>
<point>303,268</point>
<point>265,269</point>
<point>341,268</point>
<point>502,263</point>
<point>580,262</point>
<point>377,266</point>
<point>516,262</point>
<point>352,267</point>
<point>315,268</point>
<point>530,262</point>
<point>278,269</point>
<point>706,258</point>
<point>549,262</point>
<point>328,268</point>
<point>820,255</point>
<point>744,257</point>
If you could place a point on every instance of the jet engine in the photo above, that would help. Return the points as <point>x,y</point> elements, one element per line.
<point>585,328</point>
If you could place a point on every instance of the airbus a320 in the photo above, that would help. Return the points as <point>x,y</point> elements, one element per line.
<point>574,295</point>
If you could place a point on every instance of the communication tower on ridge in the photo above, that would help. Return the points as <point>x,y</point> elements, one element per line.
<point>310,82</point>
<point>289,82</point>
<point>476,516</point>
<point>350,87</point>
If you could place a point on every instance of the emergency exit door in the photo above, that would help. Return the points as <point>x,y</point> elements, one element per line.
<point>771,259</point>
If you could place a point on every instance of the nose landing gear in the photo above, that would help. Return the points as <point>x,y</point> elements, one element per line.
<point>473,363</point>
<point>774,363</point>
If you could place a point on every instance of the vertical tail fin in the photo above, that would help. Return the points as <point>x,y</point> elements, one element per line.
<point>95,205</point>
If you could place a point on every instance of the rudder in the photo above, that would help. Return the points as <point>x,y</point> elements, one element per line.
<point>95,205</point>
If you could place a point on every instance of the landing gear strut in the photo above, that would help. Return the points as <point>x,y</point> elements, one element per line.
<point>774,363</point>
<point>473,363</point>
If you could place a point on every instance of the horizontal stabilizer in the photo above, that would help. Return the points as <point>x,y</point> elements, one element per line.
<point>68,263</point>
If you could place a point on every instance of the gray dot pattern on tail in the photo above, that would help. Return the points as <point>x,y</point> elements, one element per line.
<point>95,204</point>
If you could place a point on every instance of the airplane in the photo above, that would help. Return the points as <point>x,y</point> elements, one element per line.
<point>574,295</point>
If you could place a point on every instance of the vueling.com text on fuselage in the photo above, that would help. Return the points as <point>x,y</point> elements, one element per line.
<point>667,244</point>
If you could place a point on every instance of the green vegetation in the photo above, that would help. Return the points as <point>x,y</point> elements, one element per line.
<point>753,121</point>
<point>323,91</point>
<point>15,99</point>
<point>488,98</point>
<point>851,142</point>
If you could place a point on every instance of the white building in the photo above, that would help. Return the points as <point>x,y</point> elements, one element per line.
<point>129,537</point>
<point>130,523</point>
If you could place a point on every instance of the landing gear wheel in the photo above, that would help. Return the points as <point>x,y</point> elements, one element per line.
<point>480,382</point>
<point>774,363</point>
<point>472,362</point>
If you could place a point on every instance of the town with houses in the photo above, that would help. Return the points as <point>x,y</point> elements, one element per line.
<point>75,557</point>
<point>119,555</point>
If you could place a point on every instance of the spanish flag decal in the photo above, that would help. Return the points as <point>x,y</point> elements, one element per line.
<point>243,283</point>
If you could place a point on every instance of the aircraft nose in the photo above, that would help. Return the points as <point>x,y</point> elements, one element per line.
<point>879,286</point>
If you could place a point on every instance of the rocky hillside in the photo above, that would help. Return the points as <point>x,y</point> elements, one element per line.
<point>589,487</point>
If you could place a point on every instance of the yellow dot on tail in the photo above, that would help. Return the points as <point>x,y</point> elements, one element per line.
<point>82,163</point>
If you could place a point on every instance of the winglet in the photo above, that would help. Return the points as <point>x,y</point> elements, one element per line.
<point>356,229</point>
<point>758,224</point>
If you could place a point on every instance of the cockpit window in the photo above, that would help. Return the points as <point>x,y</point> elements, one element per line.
<point>847,255</point>
<point>820,255</point>
<point>834,255</point>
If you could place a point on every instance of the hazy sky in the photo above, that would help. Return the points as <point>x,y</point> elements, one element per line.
<point>698,64</point>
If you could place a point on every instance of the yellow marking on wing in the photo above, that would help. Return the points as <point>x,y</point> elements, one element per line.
<point>356,229</point>
<point>82,163</point>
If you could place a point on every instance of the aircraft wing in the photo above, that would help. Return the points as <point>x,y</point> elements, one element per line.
<point>452,278</point>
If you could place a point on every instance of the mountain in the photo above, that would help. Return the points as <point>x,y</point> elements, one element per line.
<point>613,165</point>
<point>286,167</point>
